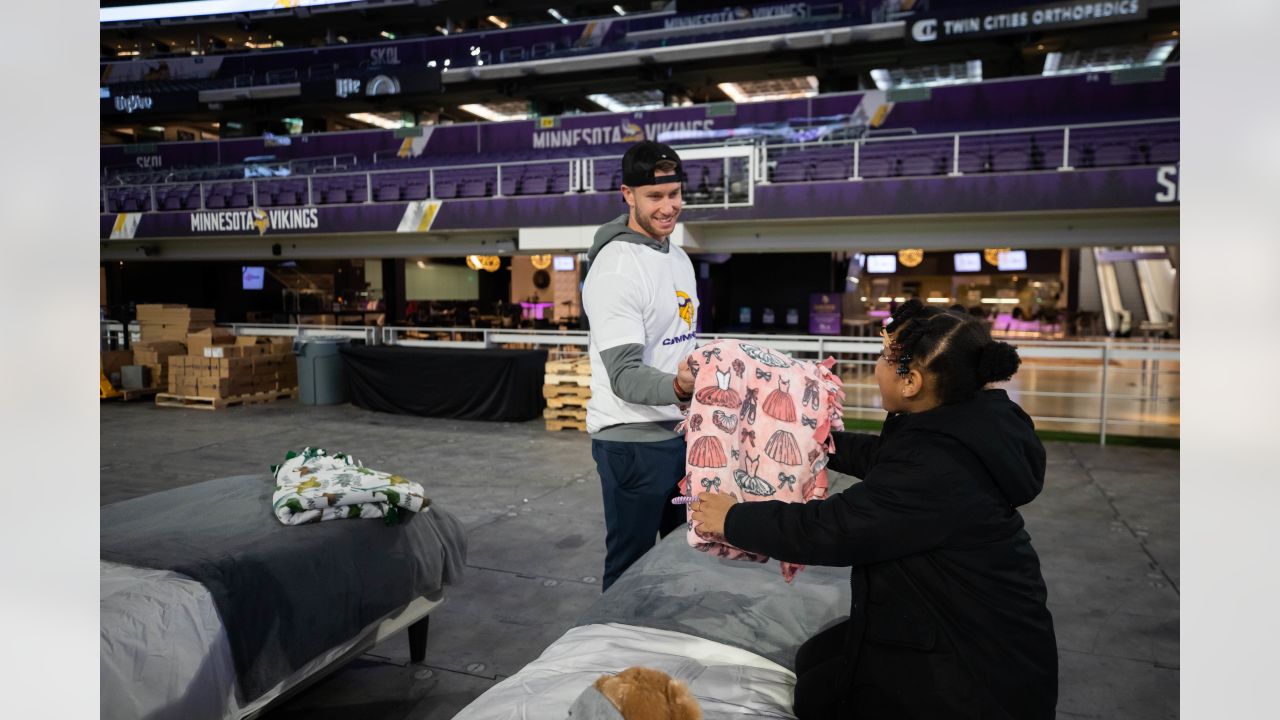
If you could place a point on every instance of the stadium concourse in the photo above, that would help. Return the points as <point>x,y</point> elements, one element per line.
<point>365,227</point>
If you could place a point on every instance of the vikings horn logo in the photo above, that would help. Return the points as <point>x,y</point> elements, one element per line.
<point>686,307</point>
<point>261,221</point>
<point>631,132</point>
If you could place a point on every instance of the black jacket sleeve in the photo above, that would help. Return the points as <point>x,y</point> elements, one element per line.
<point>903,507</point>
<point>854,453</point>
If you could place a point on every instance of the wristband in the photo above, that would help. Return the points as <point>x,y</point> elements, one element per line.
<point>681,396</point>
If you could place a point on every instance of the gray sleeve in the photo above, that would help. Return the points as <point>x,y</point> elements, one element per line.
<point>634,381</point>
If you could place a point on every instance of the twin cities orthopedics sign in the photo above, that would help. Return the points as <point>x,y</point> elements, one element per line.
<point>255,219</point>
<point>1025,19</point>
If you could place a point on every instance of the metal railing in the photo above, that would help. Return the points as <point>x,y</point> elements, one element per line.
<point>753,163</point>
<point>1097,386</point>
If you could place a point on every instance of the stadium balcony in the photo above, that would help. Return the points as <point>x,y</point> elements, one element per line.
<point>325,181</point>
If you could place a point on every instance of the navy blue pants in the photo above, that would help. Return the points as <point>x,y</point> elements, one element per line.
<point>638,480</point>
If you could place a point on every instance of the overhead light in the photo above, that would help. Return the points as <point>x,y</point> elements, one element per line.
<point>446,62</point>
<point>556,14</point>
<point>1000,301</point>
<point>381,121</point>
<point>342,39</point>
<point>885,299</point>
<point>1108,59</point>
<point>156,128</point>
<point>387,35</point>
<point>618,9</point>
<point>442,30</point>
<point>498,112</point>
<point>805,86</point>
<point>431,63</point>
<point>422,265</point>
<point>927,75</point>
<point>497,21</point>
<point>475,51</point>
<point>629,101</point>
<point>938,300</point>
<point>124,53</point>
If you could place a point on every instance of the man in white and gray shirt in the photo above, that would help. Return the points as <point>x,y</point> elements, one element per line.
<point>641,301</point>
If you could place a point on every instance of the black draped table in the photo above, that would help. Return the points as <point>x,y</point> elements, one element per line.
<point>445,382</point>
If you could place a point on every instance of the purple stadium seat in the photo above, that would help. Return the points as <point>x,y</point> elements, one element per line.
<point>415,191</point>
<point>215,201</point>
<point>473,188</point>
<point>533,185</point>
<point>172,202</point>
<point>1115,153</point>
<point>790,170</point>
<point>509,182</point>
<point>336,195</point>
<point>240,200</point>
<point>830,169</point>
<point>446,189</point>
<point>388,193</point>
<point>286,197</point>
<point>559,184</point>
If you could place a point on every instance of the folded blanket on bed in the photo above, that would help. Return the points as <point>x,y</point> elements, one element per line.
<point>315,485</point>
<point>758,428</point>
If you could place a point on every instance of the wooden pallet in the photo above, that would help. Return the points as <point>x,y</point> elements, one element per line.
<point>568,401</point>
<point>562,391</point>
<point>568,379</point>
<point>565,413</point>
<point>139,393</point>
<point>579,425</point>
<point>209,403</point>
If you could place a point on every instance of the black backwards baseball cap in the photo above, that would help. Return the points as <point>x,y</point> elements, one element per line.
<point>639,161</point>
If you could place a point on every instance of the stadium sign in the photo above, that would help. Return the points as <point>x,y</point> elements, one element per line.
<point>624,131</point>
<point>1025,19</point>
<point>243,221</point>
<point>132,103</point>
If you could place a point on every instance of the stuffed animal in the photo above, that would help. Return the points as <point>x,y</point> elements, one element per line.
<point>637,693</point>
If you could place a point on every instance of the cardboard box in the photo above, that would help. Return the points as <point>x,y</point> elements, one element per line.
<point>208,337</point>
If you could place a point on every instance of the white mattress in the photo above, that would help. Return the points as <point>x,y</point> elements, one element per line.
<point>727,681</point>
<point>165,653</point>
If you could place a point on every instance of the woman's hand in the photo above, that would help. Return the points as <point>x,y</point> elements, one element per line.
<point>709,511</point>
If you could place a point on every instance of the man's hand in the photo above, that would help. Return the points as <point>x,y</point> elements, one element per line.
<point>710,509</point>
<point>684,376</point>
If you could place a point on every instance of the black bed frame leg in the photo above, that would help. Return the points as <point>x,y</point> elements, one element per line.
<point>418,639</point>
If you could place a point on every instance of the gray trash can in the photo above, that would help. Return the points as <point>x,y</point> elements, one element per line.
<point>322,379</point>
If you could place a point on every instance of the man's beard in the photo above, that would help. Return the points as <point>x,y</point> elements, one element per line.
<point>649,228</point>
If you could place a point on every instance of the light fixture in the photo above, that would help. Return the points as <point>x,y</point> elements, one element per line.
<point>628,101</point>
<point>475,51</point>
<point>431,63</point>
<point>885,299</point>
<point>1108,59</point>
<point>805,86</point>
<point>992,255</point>
<point>498,112</point>
<point>381,121</point>
<point>422,265</point>
<point>540,262</point>
<point>618,9</point>
<point>1000,301</point>
<point>489,263</point>
<point>442,30</point>
<point>911,257</point>
<point>556,14</point>
<point>927,75</point>
<point>938,300</point>
<point>388,35</point>
<point>497,21</point>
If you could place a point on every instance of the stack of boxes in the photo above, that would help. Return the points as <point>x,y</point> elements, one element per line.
<point>172,322</point>
<point>155,354</point>
<point>219,365</point>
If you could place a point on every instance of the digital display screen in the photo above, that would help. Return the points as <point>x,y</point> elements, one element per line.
<point>251,277</point>
<point>563,263</point>
<point>882,263</point>
<point>968,262</point>
<point>1012,260</point>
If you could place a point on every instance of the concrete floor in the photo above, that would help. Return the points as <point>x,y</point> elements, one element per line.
<point>1106,529</point>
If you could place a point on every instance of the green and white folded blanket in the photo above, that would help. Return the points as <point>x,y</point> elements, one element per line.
<point>315,485</point>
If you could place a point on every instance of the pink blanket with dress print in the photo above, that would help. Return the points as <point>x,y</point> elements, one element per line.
<point>758,428</point>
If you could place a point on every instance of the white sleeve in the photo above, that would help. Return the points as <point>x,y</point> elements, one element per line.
<point>614,304</point>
